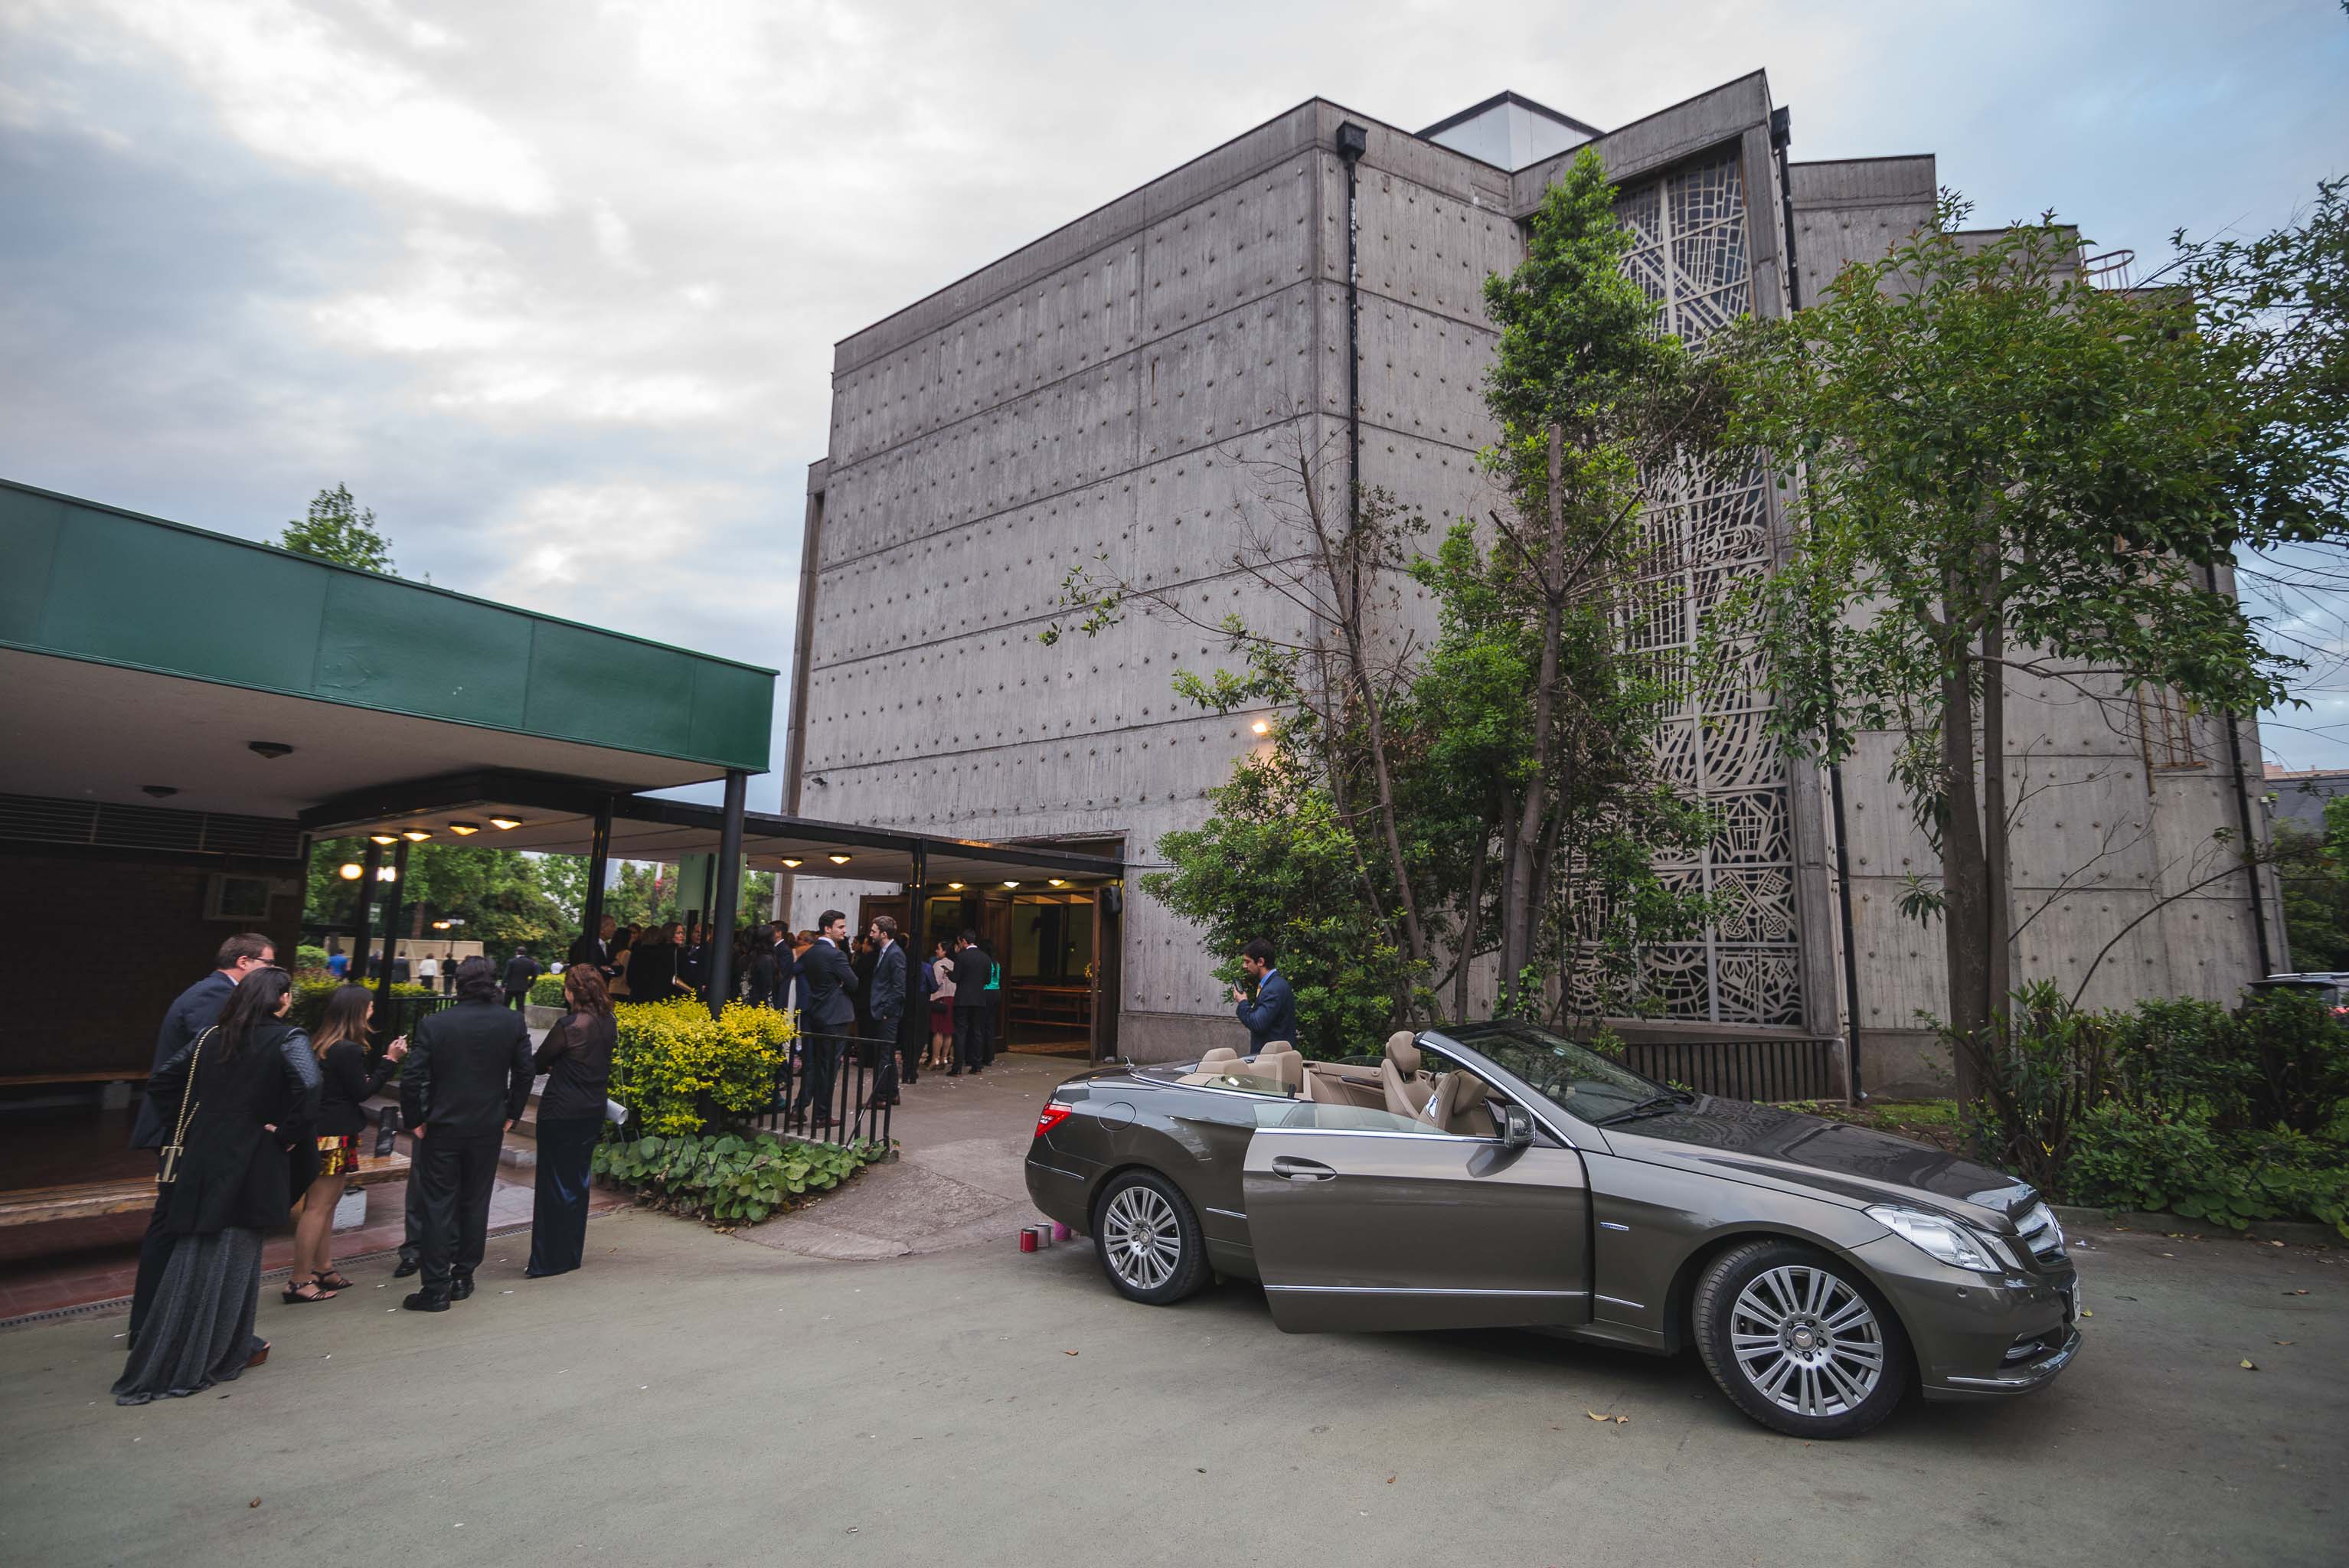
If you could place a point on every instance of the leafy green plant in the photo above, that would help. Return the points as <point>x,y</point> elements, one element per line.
<point>310,998</point>
<point>679,1070</point>
<point>546,991</point>
<point>727,1179</point>
<point>2131,1158</point>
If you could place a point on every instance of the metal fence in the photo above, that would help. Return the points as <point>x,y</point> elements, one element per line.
<point>1771,1070</point>
<point>835,1088</point>
<point>398,1016</point>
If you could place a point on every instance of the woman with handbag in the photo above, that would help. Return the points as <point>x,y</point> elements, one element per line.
<point>624,944</point>
<point>341,1048</point>
<point>224,1097</point>
<point>576,1059</point>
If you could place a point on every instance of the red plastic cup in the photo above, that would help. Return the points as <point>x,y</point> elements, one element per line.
<point>1027,1240</point>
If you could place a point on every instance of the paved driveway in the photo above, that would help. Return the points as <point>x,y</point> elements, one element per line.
<point>693,1398</point>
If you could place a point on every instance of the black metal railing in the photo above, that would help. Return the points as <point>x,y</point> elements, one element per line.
<point>835,1088</point>
<point>1768,1070</point>
<point>398,1016</point>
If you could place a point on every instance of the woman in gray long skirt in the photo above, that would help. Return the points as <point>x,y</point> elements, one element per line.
<point>226,1094</point>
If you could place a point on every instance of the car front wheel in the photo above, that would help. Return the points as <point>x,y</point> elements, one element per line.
<point>1148,1239</point>
<point>1799,1341</point>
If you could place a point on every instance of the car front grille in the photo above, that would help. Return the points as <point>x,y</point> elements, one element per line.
<point>2041,1235</point>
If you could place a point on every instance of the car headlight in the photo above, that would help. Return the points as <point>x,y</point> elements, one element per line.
<point>1937,1236</point>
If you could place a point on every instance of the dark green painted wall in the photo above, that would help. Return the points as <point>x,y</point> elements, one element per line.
<point>92,582</point>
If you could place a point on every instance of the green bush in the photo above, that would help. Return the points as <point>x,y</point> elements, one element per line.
<point>310,998</point>
<point>2128,1159</point>
<point>546,991</point>
<point>306,957</point>
<point>727,1179</point>
<point>679,1070</point>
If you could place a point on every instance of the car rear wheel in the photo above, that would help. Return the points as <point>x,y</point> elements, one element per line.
<point>1799,1341</point>
<point>1149,1240</point>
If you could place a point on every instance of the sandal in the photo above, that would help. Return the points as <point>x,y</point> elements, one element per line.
<point>256,1358</point>
<point>294,1296</point>
<point>332,1280</point>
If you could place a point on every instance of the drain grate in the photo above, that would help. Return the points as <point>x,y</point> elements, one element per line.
<point>122,1302</point>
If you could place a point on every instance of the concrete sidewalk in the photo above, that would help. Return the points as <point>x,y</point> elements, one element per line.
<point>694,1398</point>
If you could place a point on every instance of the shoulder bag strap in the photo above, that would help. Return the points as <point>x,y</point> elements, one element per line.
<point>188,1102</point>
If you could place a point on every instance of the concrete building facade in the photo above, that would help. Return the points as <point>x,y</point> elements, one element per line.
<point>1104,391</point>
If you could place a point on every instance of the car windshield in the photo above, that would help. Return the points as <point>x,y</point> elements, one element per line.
<point>1570,1075</point>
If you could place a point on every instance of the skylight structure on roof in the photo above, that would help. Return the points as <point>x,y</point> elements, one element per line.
<point>1510,133</point>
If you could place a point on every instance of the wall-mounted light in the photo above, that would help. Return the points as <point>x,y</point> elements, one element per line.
<point>464,830</point>
<point>414,835</point>
<point>270,749</point>
<point>384,839</point>
<point>387,873</point>
<point>351,870</point>
<point>505,823</point>
<point>440,925</point>
<point>1261,728</point>
<point>837,860</point>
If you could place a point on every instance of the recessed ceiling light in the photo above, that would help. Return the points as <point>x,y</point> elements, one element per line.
<point>415,835</point>
<point>505,823</point>
<point>351,870</point>
<point>464,830</point>
<point>837,860</point>
<point>271,749</point>
<point>1011,885</point>
<point>956,886</point>
<point>790,861</point>
<point>160,791</point>
<point>1058,882</point>
<point>383,838</point>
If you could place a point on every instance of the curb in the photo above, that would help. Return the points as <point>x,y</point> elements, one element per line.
<point>2298,1232</point>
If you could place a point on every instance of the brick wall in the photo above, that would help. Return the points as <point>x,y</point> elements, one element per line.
<point>95,944</point>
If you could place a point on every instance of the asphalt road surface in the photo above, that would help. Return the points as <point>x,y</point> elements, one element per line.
<point>691,1398</point>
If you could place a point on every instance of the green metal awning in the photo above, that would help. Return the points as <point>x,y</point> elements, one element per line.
<point>143,656</point>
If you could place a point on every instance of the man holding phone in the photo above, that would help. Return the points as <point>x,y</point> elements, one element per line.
<point>1273,1015</point>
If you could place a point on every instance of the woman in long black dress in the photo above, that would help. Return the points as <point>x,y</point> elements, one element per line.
<point>234,1087</point>
<point>576,1059</point>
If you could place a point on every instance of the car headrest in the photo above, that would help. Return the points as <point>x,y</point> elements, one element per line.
<point>1222,1059</point>
<point>1402,1050</point>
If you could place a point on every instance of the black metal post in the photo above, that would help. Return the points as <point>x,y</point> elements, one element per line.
<point>916,1017</point>
<point>1353,140</point>
<point>391,913</point>
<point>599,862</point>
<point>729,891</point>
<point>358,970</point>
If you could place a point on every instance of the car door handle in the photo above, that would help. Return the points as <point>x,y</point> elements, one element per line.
<point>1291,1169</point>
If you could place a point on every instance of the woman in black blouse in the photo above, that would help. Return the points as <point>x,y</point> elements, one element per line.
<point>350,1083</point>
<point>576,1059</point>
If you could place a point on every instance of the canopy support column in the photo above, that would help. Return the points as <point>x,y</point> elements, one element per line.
<point>355,972</point>
<point>916,1017</point>
<point>728,892</point>
<point>599,862</point>
<point>391,913</point>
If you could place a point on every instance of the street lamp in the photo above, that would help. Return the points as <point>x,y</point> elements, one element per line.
<point>351,870</point>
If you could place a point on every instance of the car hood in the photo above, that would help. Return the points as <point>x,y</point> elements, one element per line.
<point>1746,1141</point>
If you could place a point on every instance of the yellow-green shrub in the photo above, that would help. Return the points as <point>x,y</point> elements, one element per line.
<point>678,1069</point>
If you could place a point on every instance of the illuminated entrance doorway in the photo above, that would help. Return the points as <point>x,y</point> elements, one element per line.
<point>1057,948</point>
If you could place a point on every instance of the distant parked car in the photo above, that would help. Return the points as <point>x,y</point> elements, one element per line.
<point>1501,1176</point>
<point>2331,985</point>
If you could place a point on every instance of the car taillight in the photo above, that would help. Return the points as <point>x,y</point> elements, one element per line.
<point>1053,1115</point>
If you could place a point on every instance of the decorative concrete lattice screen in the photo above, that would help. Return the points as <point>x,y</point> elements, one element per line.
<point>1692,259</point>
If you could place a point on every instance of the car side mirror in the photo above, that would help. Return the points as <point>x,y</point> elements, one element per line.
<point>1516,1127</point>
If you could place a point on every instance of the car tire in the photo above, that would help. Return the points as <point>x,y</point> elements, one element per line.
<point>1148,1239</point>
<point>1799,1340</point>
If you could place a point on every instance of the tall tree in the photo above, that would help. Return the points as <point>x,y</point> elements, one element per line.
<point>2004,470</point>
<point>341,530</point>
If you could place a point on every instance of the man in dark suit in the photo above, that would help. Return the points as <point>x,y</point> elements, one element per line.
<point>831,1012</point>
<point>197,1009</point>
<point>885,1002</point>
<point>466,1081</point>
<point>595,947</point>
<point>521,970</point>
<point>972,1001</point>
<point>1273,1015</point>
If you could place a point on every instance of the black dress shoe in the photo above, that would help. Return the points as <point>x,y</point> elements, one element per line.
<point>405,1269</point>
<point>461,1287</point>
<point>425,1301</point>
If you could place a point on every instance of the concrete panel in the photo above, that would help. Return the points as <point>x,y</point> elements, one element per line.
<point>1662,138</point>
<point>1854,211</point>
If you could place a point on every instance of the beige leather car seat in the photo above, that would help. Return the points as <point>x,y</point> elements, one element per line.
<point>1399,1076</point>
<point>1281,1061</point>
<point>1459,1106</point>
<point>1222,1059</point>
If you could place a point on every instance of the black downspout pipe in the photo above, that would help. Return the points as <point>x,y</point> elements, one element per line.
<point>728,892</point>
<point>599,861</point>
<point>1782,136</point>
<point>358,970</point>
<point>916,1017</point>
<point>1353,140</point>
<point>391,913</point>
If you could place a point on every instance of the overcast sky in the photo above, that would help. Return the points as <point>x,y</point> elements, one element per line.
<point>554,286</point>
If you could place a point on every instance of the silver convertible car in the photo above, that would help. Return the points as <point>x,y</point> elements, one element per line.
<point>1501,1176</point>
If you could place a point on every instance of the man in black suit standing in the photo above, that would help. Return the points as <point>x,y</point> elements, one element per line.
<point>831,1012</point>
<point>197,1009</point>
<point>972,970</point>
<point>466,1081</point>
<point>884,1003</point>
<point>595,947</point>
<point>521,970</point>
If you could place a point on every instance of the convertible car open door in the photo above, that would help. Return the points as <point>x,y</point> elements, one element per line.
<point>1371,1221</point>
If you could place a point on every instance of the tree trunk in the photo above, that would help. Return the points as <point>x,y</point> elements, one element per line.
<point>1965,907</point>
<point>1469,921</point>
<point>1516,930</point>
<point>1998,893</point>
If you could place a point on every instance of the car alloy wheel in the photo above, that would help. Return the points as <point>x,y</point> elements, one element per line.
<point>1148,1239</point>
<point>1799,1341</point>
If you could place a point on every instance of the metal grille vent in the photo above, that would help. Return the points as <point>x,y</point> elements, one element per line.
<point>33,819</point>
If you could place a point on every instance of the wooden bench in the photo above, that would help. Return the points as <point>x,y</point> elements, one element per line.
<point>37,1080</point>
<point>96,1199</point>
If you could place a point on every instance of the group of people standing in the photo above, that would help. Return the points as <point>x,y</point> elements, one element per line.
<point>244,1108</point>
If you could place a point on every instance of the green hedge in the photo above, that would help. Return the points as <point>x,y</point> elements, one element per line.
<point>310,998</point>
<point>546,991</point>
<point>678,1070</point>
<point>727,1179</point>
